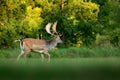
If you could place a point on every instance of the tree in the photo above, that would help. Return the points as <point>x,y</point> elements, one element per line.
<point>80,21</point>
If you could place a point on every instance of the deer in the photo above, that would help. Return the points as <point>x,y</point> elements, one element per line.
<point>40,45</point>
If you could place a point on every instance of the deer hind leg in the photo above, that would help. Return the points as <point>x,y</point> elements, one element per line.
<point>46,52</point>
<point>25,53</point>
<point>22,52</point>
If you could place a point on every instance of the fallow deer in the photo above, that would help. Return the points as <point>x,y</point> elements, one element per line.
<point>38,45</point>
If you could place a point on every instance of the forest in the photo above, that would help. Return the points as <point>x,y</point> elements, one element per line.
<point>93,23</point>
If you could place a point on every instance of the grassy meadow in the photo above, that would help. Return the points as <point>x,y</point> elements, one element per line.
<point>67,63</point>
<point>71,52</point>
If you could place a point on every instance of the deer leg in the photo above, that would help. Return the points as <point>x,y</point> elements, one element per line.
<point>20,55</point>
<point>42,56</point>
<point>46,52</point>
<point>22,52</point>
<point>25,53</point>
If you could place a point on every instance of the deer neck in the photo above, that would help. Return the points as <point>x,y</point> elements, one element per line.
<point>52,43</point>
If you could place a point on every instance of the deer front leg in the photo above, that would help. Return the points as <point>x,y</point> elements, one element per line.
<point>42,57</point>
<point>46,52</point>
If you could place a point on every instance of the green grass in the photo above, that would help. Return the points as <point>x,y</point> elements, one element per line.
<point>113,61</point>
<point>70,52</point>
<point>66,63</point>
<point>61,69</point>
<point>63,63</point>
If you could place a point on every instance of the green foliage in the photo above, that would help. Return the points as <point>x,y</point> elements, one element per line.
<point>79,18</point>
<point>80,21</point>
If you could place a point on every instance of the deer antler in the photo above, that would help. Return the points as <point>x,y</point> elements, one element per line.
<point>48,28</point>
<point>54,27</point>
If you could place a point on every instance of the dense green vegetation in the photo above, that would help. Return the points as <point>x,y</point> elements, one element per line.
<point>82,22</point>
